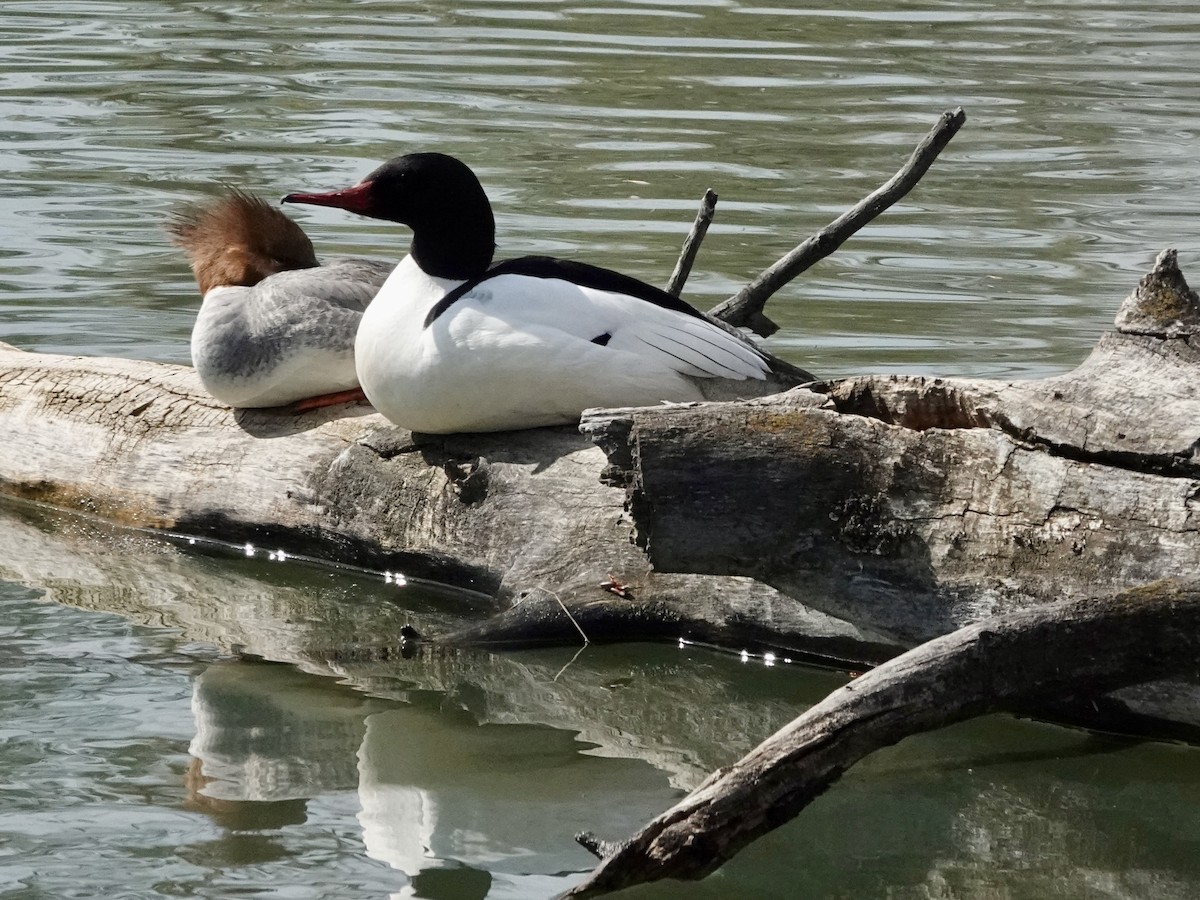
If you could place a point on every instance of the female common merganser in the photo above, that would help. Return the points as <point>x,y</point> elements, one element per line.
<point>275,326</point>
<point>452,345</point>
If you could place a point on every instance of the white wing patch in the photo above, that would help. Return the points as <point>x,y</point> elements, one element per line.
<point>659,336</point>
<point>704,350</point>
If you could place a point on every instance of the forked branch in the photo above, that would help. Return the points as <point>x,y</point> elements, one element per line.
<point>744,309</point>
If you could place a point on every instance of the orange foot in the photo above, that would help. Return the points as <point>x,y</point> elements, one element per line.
<point>351,396</point>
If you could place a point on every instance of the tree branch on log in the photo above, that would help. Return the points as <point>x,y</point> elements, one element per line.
<point>691,244</point>
<point>744,309</point>
<point>1002,663</point>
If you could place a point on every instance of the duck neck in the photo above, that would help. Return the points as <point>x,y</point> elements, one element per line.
<point>460,250</point>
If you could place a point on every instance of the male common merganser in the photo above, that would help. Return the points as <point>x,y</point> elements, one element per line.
<point>275,326</point>
<point>452,345</point>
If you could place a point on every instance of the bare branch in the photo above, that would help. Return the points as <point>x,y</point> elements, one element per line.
<point>691,244</point>
<point>1016,660</point>
<point>744,309</point>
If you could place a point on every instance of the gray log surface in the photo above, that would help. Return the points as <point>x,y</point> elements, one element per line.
<point>914,505</point>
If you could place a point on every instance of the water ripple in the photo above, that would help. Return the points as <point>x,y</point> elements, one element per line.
<point>1077,161</point>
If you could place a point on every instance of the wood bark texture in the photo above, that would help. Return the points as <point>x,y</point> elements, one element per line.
<point>914,505</point>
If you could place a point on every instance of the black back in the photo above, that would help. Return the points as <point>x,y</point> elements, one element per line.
<point>578,273</point>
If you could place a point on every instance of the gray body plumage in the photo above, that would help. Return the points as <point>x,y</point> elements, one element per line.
<point>289,337</point>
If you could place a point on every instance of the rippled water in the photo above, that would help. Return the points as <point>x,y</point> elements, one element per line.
<point>146,754</point>
<point>150,748</point>
<point>597,127</point>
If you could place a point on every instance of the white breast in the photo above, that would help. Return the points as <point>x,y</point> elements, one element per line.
<point>520,352</point>
<point>392,354</point>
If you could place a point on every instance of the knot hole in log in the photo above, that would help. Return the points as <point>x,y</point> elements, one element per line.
<point>469,478</point>
<point>915,403</point>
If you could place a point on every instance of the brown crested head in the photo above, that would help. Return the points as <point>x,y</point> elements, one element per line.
<point>239,239</point>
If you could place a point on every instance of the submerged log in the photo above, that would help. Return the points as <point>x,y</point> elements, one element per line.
<point>1005,662</point>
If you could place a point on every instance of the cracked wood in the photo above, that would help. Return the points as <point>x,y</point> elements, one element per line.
<point>913,505</point>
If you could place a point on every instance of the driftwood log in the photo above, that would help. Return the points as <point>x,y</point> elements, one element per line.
<point>913,505</point>
<point>844,521</point>
<point>1005,662</point>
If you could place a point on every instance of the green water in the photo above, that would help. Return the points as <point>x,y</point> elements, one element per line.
<point>175,723</point>
<point>185,723</point>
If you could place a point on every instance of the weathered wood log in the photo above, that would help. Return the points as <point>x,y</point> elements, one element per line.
<point>1001,663</point>
<point>915,505</point>
<point>912,506</point>
<point>516,517</point>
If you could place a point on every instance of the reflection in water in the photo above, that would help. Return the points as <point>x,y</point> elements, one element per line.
<point>236,814</point>
<point>297,785</point>
<point>268,738</point>
<point>449,789</point>
<point>469,810</point>
<point>436,790</point>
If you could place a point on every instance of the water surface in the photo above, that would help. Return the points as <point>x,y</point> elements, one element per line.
<point>181,724</point>
<point>597,127</point>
